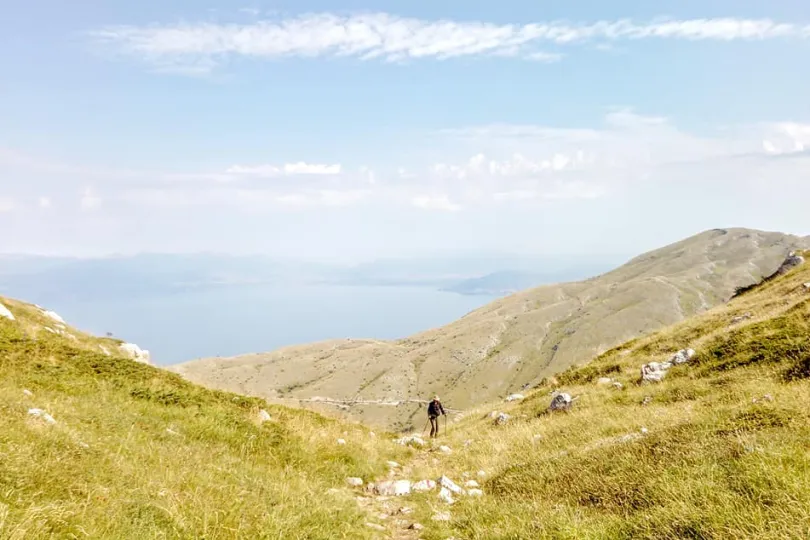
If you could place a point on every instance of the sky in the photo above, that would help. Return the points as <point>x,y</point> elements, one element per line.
<point>358,130</point>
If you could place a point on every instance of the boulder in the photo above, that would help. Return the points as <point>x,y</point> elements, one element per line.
<point>561,402</point>
<point>135,352</point>
<point>446,483</point>
<point>682,356</point>
<point>5,313</point>
<point>393,488</point>
<point>354,481</point>
<point>514,397</point>
<point>654,371</point>
<point>793,260</point>
<point>424,485</point>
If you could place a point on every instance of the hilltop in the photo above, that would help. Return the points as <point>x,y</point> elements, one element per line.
<point>508,345</point>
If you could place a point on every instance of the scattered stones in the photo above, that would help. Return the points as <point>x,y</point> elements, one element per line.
<point>515,397</point>
<point>5,313</point>
<point>341,441</point>
<point>561,402</point>
<point>354,481</point>
<point>135,352</point>
<point>602,381</point>
<point>424,485</point>
<point>415,440</point>
<point>264,416</point>
<point>446,496</point>
<point>444,449</point>
<point>441,516</point>
<point>475,493</point>
<point>471,484</point>
<point>39,413</point>
<point>375,526</point>
<point>502,418</point>
<point>393,488</point>
<point>28,393</point>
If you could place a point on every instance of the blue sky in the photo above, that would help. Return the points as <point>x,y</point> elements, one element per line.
<point>366,129</point>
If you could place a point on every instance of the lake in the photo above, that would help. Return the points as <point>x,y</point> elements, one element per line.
<point>227,321</point>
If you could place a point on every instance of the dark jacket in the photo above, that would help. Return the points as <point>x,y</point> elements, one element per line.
<point>435,408</point>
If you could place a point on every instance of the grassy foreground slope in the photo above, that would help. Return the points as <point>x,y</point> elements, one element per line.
<point>138,452</point>
<point>511,343</point>
<point>719,449</point>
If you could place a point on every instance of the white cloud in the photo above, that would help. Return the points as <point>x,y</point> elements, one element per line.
<point>435,202</point>
<point>197,47</point>
<point>7,204</point>
<point>287,169</point>
<point>89,199</point>
<point>44,202</point>
<point>786,138</point>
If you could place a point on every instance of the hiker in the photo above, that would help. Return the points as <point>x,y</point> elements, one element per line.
<point>434,410</point>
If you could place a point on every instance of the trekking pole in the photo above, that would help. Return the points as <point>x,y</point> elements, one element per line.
<point>424,428</point>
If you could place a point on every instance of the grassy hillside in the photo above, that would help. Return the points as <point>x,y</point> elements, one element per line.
<point>509,344</point>
<point>138,452</point>
<point>718,449</point>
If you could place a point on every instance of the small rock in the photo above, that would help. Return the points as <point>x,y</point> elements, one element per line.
<point>740,318</point>
<point>341,441</point>
<point>39,413</point>
<point>653,372</point>
<point>647,400</point>
<point>604,381</point>
<point>5,313</point>
<point>514,397</point>
<point>561,402</point>
<point>264,416</point>
<point>617,385</point>
<point>424,485</point>
<point>445,449</point>
<point>416,527</point>
<point>84,445</point>
<point>135,352</point>
<point>481,474</point>
<point>449,484</point>
<point>405,510</point>
<point>645,430</point>
<point>441,516</point>
<point>392,464</point>
<point>467,443</point>
<point>446,496</point>
<point>375,526</point>
<point>393,488</point>
<point>807,286</point>
<point>412,439</point>
<point>475,492</point>
<point>682,356</point>
<point>471,484</point>
<point>354,481</point>
<point>501,419</point>
<point>53,316</point>
<point>537,438</point>
<point>28,393</point>
<point>372,434</point>
<point>170,431</point>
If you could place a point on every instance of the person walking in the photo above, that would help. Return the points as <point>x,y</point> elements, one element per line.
<point>434,410</point>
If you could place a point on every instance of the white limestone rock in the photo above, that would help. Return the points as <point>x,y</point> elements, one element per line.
<point>53,316</point>
<point>135,352</point>
<point>604,381</point>
<point>393,488</point>
<point>354,481</point>
<point>449,484</point>
<point>682,356</point>
<point>654,371</point>
<point>341,441</point>
<point>392,464</point>
<point>515,397</point>
<point>424,485</point>
<point>617,385</point>
<point>561,402</point>
<point>444,449</point>
<point>475,492</point>
<point>446,496</point>
<point>415,440</point>
<point>264,416</point>
<point>471,484</point>
<point>502,418</point>
<point>5,313</point>
<point>39,413</point>
<point>28,393</point>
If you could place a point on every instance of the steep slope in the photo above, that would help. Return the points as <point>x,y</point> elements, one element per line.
<point>717,449</point>
<point>101,446</point>
<point>509,344</point>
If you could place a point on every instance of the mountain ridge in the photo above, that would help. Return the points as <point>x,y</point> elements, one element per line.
<point>511,343</point>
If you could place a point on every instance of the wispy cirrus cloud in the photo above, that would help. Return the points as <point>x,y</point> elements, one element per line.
<point>198,47</point>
